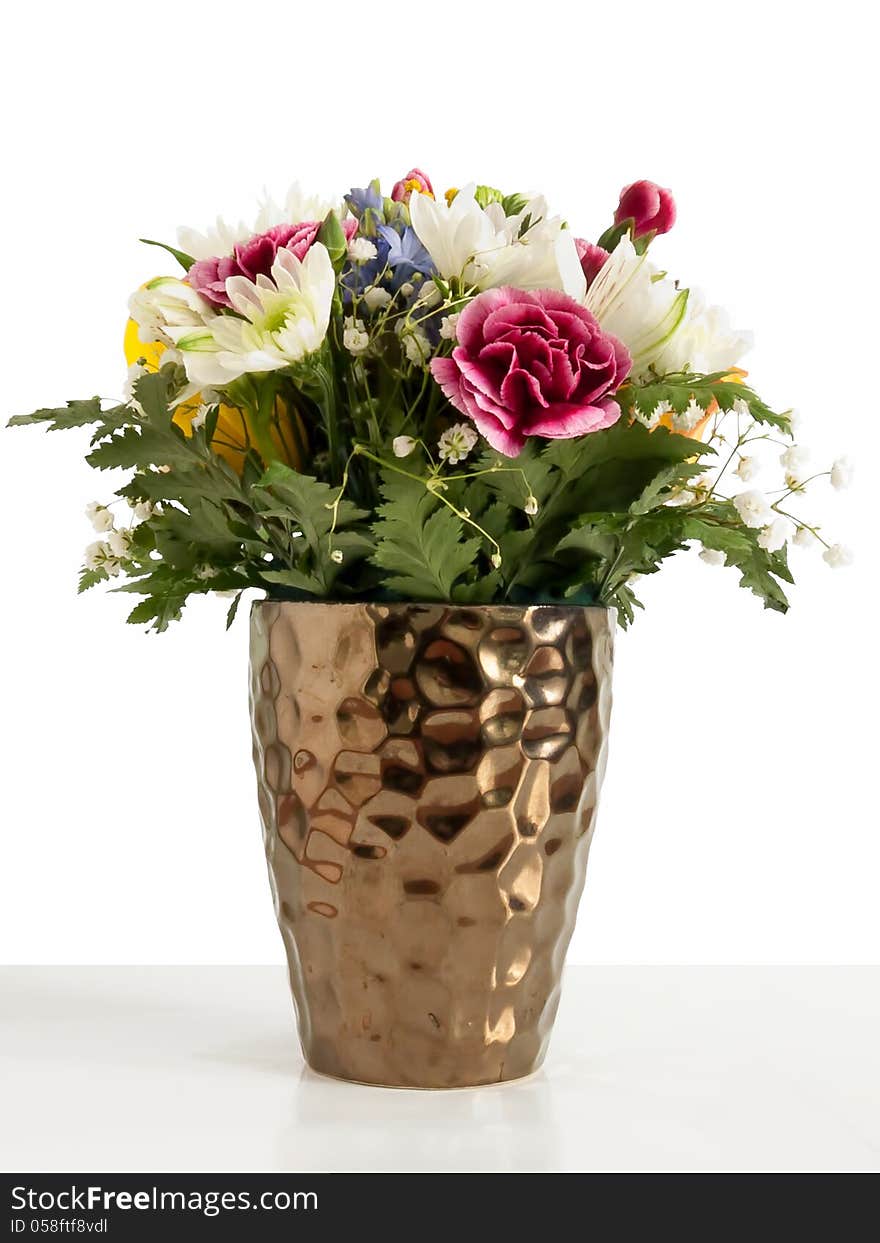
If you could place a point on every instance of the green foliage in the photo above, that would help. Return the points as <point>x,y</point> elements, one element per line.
<point>676,391</point>
<point>602,509</point>
<point>420,542</point>
<point>612,548</point>
<point>74,414</point>
<point>304,508</point>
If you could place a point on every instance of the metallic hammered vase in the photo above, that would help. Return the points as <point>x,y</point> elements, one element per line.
<point>428,778</point>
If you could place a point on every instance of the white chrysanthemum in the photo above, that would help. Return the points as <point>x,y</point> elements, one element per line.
<point>355,337</point>
<point>484,248</point>
<point>842,473</point>
<point>283,319</point>
<point>166,304</point>
<point>221,238</point>
<point>776,535</point>
<point>804,537</point>
<point>456,443</point>
<point>747,468</point>
<point>99,516</point>
<point>403,446</point>
<point>754,508</point>
<point>838,556</point>
<point>376,298</point>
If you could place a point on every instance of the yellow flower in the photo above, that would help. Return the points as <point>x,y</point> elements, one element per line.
<point>234,428</point>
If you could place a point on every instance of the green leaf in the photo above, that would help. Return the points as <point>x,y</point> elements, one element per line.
<point>233,609</point>
<point>91,578</point>
<point>419,541</point>
<point>186,261</point>
<point>664,484</point>
<point>592,540</point>
<point>143,447</point>
<point>74,414</point>
<point>677,390</point>
<point>296,581</point>
<point>308,505</point>
<point>332,236</point>
<point>731,540</point>
<point>513,204</point>
<point>614,233</point>
<point>154,391</point>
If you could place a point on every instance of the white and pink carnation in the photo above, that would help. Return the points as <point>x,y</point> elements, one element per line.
<point>532,364</point>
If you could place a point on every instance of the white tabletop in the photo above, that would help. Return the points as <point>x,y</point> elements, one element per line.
<point>124,1069</point>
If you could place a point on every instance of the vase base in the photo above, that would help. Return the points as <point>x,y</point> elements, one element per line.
<point>464,1084</point>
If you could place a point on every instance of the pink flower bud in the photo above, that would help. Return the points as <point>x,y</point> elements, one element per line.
<point>650,207</point>
<point>415,179</point>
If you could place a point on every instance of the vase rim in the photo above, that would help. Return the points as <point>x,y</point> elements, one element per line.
<point>266,601</point>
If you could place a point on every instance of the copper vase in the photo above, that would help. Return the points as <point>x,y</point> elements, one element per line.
<point>428,778</point>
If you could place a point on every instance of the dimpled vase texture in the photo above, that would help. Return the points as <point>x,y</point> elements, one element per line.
<point>428,778</point>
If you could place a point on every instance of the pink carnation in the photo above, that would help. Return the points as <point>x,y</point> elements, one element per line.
<point>532,364</point>
<point>415,179</point>
<point>255,257</point>
<point>649,206</point>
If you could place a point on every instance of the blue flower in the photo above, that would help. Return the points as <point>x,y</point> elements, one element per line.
<point>406,255</point>
<point>367,199</point>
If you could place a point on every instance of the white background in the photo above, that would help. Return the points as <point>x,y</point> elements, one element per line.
<point>739,817</point>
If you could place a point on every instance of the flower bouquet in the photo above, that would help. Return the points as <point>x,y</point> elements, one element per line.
<point>446,436</point>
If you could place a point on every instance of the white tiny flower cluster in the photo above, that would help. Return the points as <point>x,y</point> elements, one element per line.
<point>456,443</point>
<point>448,326</point>
<point>108,554</point>
<point>355,337</point>
<point>795,461</point>
<point>416,346</point>
<point>842,473</point>
<point>376,299</point>
<point>747,468</point>
<point>778,529</point>
<point>361,250</point>
<point>764,512</point>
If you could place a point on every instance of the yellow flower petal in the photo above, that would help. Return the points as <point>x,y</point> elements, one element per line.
<point>233,425</point>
